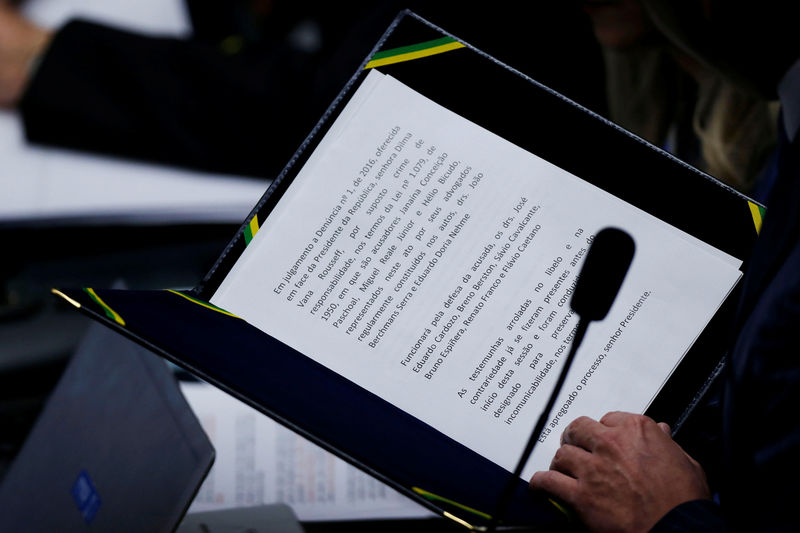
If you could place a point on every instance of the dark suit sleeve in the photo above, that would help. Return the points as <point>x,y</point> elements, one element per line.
<point>175,101</point>
<point>185,102</point>
<point>694,516</point>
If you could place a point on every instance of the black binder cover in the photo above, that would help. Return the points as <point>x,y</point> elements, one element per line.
<point>362,428</point>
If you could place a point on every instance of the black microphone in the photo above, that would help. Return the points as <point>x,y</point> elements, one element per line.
<point>601,276</point>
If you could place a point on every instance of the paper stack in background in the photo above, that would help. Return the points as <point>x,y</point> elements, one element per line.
<point>259,461</point>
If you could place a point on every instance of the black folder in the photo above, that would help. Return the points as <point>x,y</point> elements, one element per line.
<point>358,426</point>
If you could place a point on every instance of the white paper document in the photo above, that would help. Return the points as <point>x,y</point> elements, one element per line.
<point>432,262</point>
<point>259,461</point>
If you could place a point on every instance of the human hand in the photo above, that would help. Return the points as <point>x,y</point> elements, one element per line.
<point>20,43</point>
<point>622,473</point>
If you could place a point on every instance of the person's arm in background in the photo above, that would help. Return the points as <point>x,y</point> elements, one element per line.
<point>21,44</point>
<point>102,89</point>
<point>189,103</point>
<point>168,100</point>
<point>181,102</point>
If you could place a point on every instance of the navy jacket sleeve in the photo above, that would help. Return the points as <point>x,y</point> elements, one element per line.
<point>693,516</point>
<point>168,100</point>
<point>186,102</point>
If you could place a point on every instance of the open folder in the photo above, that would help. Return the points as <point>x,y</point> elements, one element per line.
<point>400,294</point>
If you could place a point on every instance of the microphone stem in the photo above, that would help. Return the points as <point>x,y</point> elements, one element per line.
<point>511,484</point>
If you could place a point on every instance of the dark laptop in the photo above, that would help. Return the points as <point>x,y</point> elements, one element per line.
<point>116,447</point>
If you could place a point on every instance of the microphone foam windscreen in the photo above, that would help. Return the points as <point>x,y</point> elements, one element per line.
<point>601,276</point>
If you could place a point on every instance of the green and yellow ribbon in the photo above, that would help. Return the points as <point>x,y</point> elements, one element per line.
<point>758,215</point>
<point>110,313</point>
<point>250,230</point>
<point>202,303</point>
<point>414,51</point>
<point>435,497</point>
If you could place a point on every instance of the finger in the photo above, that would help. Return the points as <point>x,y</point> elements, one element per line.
<point>665,428</point>
<point>562,487</point>
<point>569,460</point>
<point>582,432</point>
<point>617,418</point>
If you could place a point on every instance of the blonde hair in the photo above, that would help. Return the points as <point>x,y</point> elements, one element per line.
<point>639,82</point>
<point>649,93</point>
<point>737,132</point>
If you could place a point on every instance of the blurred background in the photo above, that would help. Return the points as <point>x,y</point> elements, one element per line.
<point>135,137</point>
